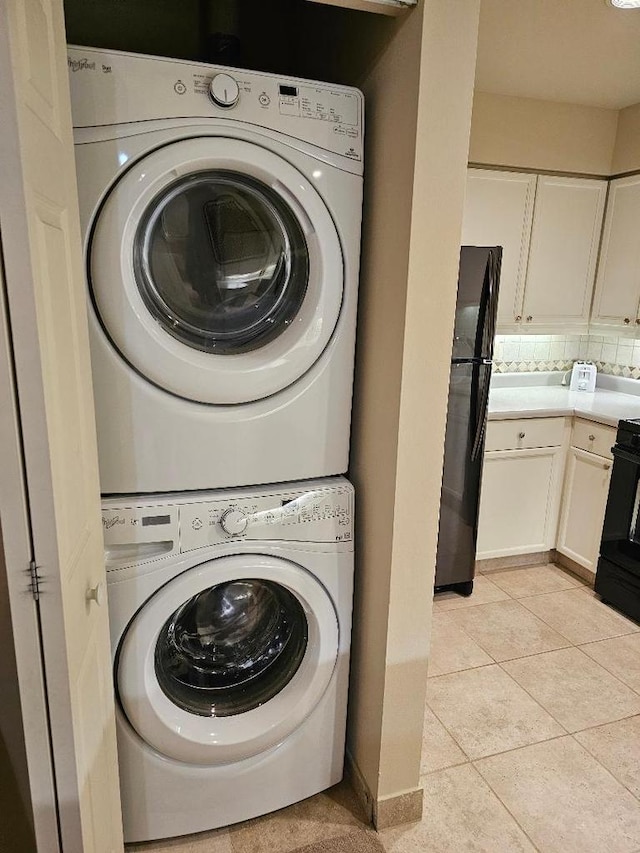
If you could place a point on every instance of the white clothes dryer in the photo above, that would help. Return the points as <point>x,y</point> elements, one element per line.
<point>221,212</point>
<point>230,621</point>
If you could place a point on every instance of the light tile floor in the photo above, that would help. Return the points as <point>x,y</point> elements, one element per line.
<point>531,739</point>
<point>555,740</point>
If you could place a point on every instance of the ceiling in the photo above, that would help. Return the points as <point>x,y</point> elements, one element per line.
<point>576,51</point>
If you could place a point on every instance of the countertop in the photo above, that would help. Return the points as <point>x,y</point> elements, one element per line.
<point>605,405</point>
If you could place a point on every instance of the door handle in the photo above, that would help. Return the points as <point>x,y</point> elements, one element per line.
<point>96,593</point>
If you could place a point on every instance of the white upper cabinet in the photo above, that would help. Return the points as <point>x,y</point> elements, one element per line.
<point>617,299</point>
<point>567,223</point>
<point>549,228</point>
<point>498,212</point>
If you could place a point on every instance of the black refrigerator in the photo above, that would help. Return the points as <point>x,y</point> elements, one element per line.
<point>471,361</point>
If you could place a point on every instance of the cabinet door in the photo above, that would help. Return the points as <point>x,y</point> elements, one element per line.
<point>567,222</point>
<point>498,211</point>
<point>519,502</point>
<point>583,505</point>
<point>618,281</point>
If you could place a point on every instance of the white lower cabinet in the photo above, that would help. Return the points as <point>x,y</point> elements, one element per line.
<point>583,506</point>
<point>524,508</point>
<point>521,487</point>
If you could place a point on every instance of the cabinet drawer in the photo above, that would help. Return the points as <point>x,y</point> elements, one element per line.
<point>524,433</point>
<point>593,437</point>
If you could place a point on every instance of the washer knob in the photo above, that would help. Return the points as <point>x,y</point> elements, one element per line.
<point>224,91</point>
<point>234,521</point>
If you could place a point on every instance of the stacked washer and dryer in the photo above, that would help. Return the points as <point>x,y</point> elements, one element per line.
<point>221,214</point>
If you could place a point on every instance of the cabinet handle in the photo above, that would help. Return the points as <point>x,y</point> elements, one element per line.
<point>521,435</point>
<point>529,318</point>
<point>592,438</point>
<point>606,466</point>
<point>627,320</point>
<point>518,318</point>
<point>637,321</point>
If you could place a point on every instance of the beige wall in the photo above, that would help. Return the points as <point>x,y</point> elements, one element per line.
<point>626,155</point>
<point>390,137</point>
<point>446,90</point>
<point>419,93</point>
<point>524,133</point>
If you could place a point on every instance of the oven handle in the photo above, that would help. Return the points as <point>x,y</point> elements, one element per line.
<point>619,453</point>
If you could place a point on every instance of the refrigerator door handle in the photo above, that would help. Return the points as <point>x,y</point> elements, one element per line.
<point>483,401</point>
<point>494,275</point>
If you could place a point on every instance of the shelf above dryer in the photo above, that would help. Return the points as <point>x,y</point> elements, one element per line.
<point>381,7</point>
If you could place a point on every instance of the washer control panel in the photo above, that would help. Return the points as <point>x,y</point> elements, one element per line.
<point>142,529</point>
<point>311,516</point>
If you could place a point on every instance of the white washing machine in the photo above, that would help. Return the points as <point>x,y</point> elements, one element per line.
<point>230,623</point>
<point>221,213</point>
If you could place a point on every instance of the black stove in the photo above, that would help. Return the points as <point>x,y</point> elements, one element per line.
<point>618,574</point>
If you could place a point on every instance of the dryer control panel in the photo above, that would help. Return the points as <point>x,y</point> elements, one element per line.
<point>147,528</point>
<point>114,88</point>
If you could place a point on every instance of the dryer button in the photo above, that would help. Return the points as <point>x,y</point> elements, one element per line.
<point>224,91</point>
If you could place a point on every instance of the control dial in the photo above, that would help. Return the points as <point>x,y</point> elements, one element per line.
<point>224,91</point>
<point>234,521</point>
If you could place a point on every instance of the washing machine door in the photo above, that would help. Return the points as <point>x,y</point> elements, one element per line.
<point>228,659</point>
<point>216,270</point>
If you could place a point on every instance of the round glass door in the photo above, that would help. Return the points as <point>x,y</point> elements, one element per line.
<point>228,658</point>
<point>231,648</point>
<point>221,262</point>
<point>216,270</point>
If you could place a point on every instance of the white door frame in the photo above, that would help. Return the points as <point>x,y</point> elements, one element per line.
<point>55,500</point>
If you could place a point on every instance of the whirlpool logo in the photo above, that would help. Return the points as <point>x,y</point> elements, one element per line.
<point>108,523</point>
<point>80,64</point>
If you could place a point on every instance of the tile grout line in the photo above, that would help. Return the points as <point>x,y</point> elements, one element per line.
<point>501,801</point>
<point>519,657</point>
<point>606,640</point>
<point>468,761</point>
<point>595,757</point>
<point>629,716</point>
<point>612,674</point>
<point>558,631</point>
<point>512,749</point>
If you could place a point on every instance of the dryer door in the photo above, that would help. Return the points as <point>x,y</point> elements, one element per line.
<point>216,270</point>
<point>227,659</point>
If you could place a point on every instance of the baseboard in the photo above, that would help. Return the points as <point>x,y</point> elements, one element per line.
<point>398,809</point>
<point>359,785</point>
<point>516,561</point>
<point>575,568</point>
<point>387,811</point>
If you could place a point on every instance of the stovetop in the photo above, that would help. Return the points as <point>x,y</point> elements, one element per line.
<point>628,435</point>
<point>630,425</point>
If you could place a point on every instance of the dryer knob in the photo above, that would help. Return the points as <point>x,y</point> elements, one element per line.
<point>224,91</point>
<point>234,521</point>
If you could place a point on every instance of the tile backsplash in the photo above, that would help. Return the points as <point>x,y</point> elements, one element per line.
<point>522,353</point>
